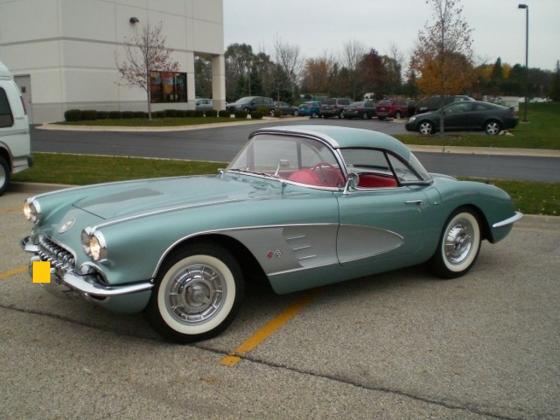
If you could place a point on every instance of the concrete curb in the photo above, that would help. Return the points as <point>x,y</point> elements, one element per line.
<point>493,151</point>
<point>92,128</point>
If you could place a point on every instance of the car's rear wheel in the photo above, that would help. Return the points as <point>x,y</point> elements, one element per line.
<point>365,116</point>
<point>492,128</point>
<point>4,174</point>
<point>426,128</point>
<point>398,115</point>
<point>198,292</point>
<point>381,118</point>
<point>314,115</point>
<point>459,245</point>
<point>296,113</point>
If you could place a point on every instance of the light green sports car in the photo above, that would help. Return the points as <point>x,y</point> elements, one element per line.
<point>300,206</point>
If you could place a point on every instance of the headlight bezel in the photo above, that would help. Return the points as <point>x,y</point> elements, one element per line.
<point>32,210</point>
<point>412,119</point>
<point>94,244</point>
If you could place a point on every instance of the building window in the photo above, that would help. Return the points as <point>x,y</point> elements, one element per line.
<point>166,86</point>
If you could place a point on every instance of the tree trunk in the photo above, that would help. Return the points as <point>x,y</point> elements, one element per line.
<point>149,91</point>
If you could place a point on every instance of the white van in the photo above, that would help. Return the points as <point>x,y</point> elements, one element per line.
<point>15,142</point>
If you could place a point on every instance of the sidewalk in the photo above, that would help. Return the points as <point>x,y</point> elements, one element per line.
<point>93,128</point>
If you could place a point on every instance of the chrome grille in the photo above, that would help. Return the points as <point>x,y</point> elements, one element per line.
<point>58,256</point>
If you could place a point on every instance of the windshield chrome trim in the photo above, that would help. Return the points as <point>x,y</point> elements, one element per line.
<point>281,180</point>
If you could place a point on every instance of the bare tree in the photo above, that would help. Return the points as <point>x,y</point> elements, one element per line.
<point>443,54</point>
<point>352,54</point>
<point>145,52</point>
<point>289,58</point>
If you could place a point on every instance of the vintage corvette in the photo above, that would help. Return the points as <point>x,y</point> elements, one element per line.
<point>300,206</point>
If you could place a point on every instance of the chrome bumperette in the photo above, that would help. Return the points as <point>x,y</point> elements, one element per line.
<point>510,220</point>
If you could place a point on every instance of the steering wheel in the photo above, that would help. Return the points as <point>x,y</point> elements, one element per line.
<point>324,175</point>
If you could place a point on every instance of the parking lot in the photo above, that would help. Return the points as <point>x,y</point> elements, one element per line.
<point>398,345</point>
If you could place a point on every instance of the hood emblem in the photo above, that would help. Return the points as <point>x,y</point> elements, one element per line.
<point>66,226</point>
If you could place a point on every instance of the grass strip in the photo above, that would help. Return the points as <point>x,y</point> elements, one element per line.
<point>541,132</point>
<point>529,197</point>
<point>81,169</point>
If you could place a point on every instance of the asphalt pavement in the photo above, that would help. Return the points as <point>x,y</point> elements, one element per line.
<point>222,144</point>
<point>398,345</point>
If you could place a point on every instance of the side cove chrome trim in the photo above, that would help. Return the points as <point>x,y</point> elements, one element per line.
<point>209,232</point>
<point>516,217</point>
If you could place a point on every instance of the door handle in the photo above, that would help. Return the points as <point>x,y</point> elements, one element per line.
<point>417,202</point>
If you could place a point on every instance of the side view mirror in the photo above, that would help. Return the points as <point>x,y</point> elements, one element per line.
<point>352,182</point>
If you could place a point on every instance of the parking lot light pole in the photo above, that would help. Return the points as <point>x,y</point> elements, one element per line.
<point>526,7</point>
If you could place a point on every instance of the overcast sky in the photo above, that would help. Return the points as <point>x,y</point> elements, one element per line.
<point>324,25</point>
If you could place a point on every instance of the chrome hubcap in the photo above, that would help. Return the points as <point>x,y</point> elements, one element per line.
<point>425,128</point>
<point>458,242</point>
<point>196,294</point>
<point>492,128</point>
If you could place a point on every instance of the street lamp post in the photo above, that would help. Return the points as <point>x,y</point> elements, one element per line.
<point>526,7</point>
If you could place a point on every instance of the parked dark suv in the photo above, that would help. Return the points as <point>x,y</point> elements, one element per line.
<point>333,107</point>
<point>391,108</point>
<point>252,103</point>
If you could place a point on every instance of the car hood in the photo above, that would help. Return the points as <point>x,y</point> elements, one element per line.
<point>128,199</point>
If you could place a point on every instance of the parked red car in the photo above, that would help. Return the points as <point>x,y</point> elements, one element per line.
<point>391,109</point>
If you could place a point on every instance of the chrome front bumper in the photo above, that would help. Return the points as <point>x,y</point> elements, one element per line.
<point>87,285</point>
<point>509,221</point>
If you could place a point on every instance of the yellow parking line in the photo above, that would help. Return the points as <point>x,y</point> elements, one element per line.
<point>13,272</point>
<point>266,331</point>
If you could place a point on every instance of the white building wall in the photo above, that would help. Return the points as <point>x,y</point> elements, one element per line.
<point>70,48</point>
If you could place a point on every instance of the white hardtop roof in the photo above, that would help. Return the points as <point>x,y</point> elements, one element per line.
<point>4,72</point>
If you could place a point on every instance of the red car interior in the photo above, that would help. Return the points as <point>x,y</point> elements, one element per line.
<point>376,181</point>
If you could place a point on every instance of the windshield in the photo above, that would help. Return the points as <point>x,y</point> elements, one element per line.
<point>295,159</point>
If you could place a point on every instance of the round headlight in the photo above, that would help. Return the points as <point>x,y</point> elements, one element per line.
<point>94,244</point>
<point>31,210</point>
<point>411,119</point>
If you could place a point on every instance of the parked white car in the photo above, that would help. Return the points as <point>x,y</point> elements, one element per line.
<point>15,142</point>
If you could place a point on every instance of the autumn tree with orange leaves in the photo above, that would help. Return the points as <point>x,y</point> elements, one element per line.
<point>443,54</point>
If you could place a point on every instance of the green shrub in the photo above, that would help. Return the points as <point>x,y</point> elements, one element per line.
<point>262,110</point>
<point>182,113</point>
<point>224,114</point>
<point>240,114</point>
<point>73,115</point>
<point>115,115</point>
<point>89,115</point>
<point>158,114</point>
<point>102,115</point>
<point>140,114</point>
<point>171,113</point>
<point>257,115</point>
<point>128,114</point>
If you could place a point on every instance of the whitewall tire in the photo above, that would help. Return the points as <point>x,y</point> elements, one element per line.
<point>197,293</point>
<point>459,245</point>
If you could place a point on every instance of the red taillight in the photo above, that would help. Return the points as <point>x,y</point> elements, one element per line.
<point>23,105</point>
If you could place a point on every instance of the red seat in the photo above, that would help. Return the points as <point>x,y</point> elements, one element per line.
<point>306,176</point>
<point>376,181</point>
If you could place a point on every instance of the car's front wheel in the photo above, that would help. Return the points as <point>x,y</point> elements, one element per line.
<point>398,115</point>
<point>197,294</point>
<point>459,245</point>
<point>426,128</point>
<point>365,116</point>
<point>4,175</point>
<point>492,128</point>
